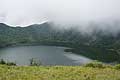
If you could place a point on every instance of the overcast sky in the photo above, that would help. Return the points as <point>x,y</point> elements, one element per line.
<point>77,12</point>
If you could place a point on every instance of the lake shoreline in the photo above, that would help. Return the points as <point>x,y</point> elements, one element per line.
<point>75,48</point>
<point>48,55</point>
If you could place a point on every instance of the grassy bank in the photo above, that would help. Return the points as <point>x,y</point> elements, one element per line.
<point>58,73</point>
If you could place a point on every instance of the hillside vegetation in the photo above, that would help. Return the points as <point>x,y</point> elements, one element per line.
<point>97,45</point>
<point>58,73</point>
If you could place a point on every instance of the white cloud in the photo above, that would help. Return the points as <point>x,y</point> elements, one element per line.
<point>68,12</point>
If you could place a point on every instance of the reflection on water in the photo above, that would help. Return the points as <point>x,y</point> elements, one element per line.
<point>77,58</point>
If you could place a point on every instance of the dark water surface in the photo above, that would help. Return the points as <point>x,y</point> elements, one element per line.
<point>48,55</point>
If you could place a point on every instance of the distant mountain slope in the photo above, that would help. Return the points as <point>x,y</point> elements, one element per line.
<point>96,46</point>
<point>36,33</point>
<point>46,31</point>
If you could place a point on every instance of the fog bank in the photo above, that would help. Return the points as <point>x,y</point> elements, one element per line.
<point>86,14</point>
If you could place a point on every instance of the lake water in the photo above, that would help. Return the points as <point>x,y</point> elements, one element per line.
<point>47,55</point>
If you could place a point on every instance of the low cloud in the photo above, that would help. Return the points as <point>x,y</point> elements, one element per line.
<point>86,14</point>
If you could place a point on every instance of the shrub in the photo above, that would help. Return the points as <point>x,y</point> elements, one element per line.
<point>117,66</point>
<point>34,62</point>
<point>2,61</point>
<point>11,64</point>
<point>95,64</point>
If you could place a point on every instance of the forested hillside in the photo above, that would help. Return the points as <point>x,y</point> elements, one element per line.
<point>104,47</point>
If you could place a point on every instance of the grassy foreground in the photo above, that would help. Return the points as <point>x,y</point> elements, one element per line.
<point>57,73</point>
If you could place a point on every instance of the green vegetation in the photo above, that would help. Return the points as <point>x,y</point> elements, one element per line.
<point>117,66</point>
<point>3,62</point>
<point>35,62</point>
<point>58,73</point>
<point>95,64</point>
<point>91,71</point>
